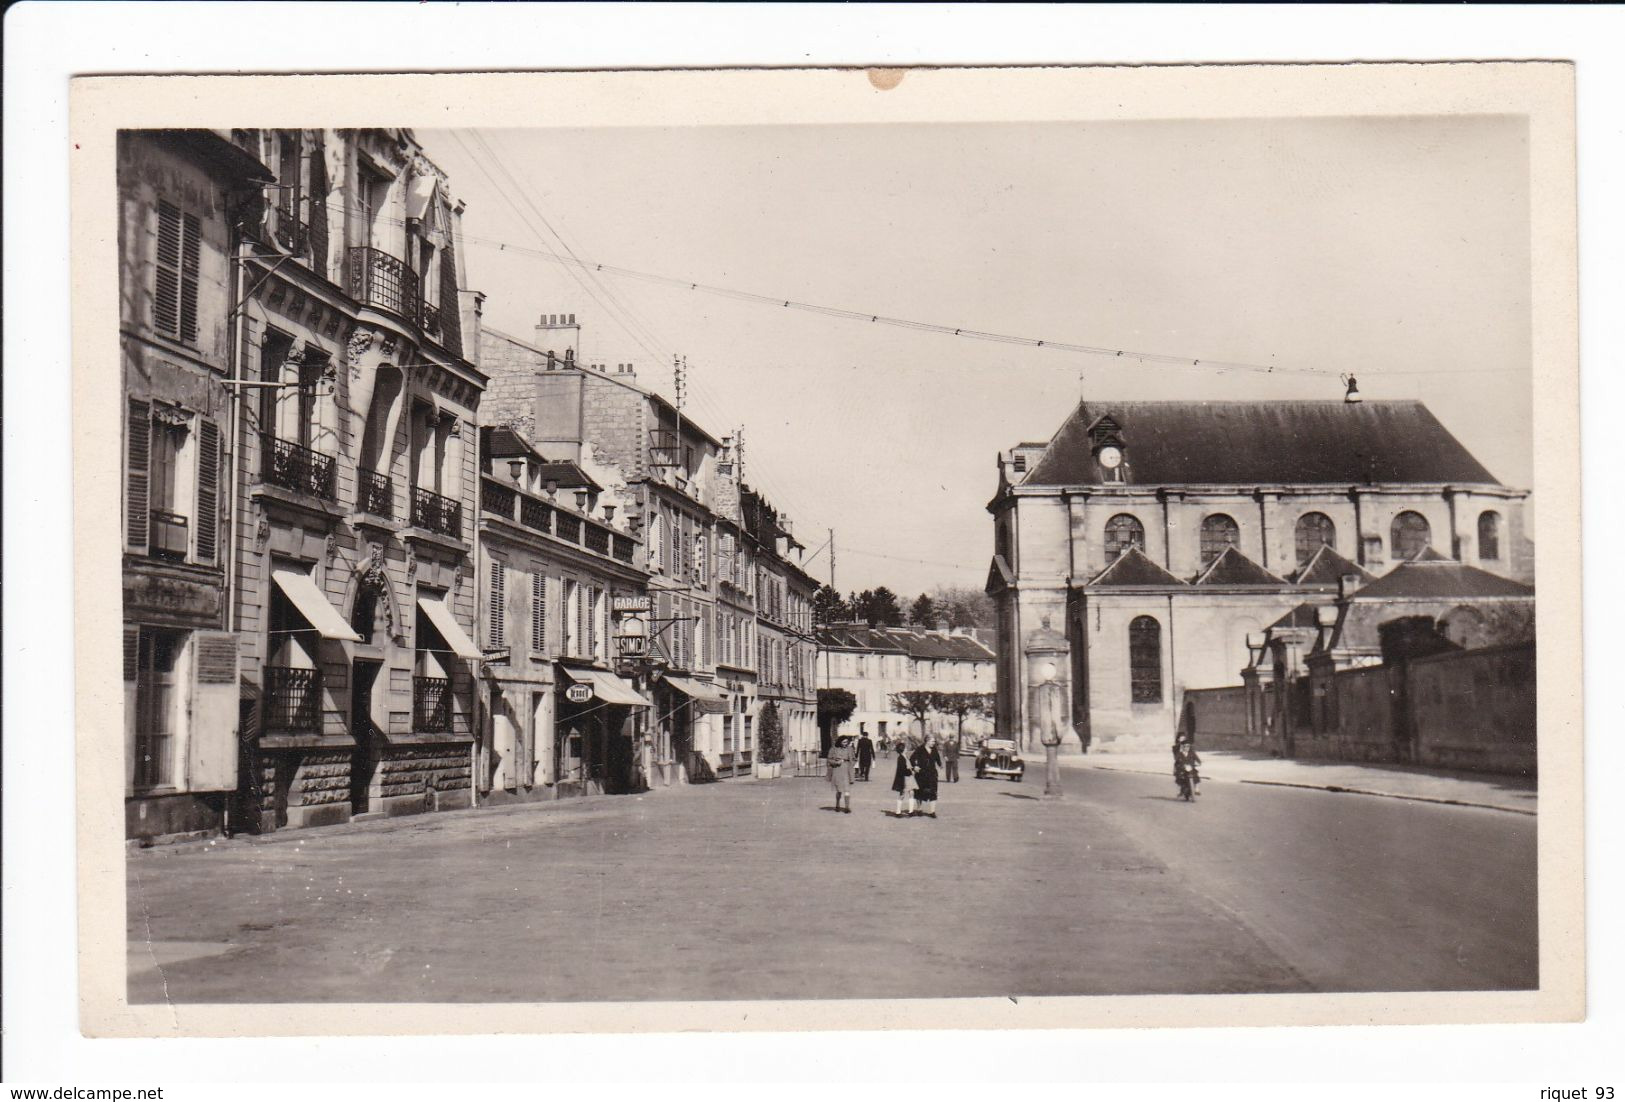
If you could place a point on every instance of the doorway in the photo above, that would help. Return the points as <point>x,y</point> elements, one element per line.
<point>364,758</point>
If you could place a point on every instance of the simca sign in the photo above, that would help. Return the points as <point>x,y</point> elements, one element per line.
<point>578,694</point>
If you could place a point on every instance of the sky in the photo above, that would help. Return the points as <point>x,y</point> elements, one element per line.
<point>1396,249</point>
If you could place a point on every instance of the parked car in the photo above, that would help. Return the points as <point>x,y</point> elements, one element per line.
<point>997,757</point>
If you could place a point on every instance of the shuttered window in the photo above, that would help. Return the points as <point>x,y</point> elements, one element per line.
<point>450,323</point>
<point>318,210</point>
<point>174,302</point>
<point>496,623</point>
<point>538,613</point>
<point>208,490</point>
<point>136,478</point>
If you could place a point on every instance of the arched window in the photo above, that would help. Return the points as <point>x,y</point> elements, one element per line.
<point>1314,529</point>
<point>1123,532</point>
<point>1145,661</point>
<point>1409,535</point>
<point>1489,535</point>
<point>657,543</point>
<point>1218,532</point>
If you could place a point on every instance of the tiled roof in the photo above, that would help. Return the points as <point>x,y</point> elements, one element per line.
<point>502,442</point>
<point>1305,615</point>
<point>568,476</point>
<point>1440,579</point>
<point>1327,567</point>
<point>1295,442</point>
<point>1132,567</point>
<point>1234,568</point>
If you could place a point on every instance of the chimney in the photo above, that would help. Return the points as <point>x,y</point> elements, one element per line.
<point>943,627</point>
<point>558,331</point>
<point>1346,585</point>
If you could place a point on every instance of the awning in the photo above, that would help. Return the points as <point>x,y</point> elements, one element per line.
<point>313,605</point>
<point>699,690</point>
<point>419,196</point>
<point>609,688</point>
<point>448,627</point>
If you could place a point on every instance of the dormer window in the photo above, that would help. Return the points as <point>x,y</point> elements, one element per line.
<point>1106,444</point>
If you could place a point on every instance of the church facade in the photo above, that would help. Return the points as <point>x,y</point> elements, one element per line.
<point>1158,536</point>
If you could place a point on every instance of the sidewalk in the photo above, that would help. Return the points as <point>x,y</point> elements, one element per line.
<point>1445,786</point>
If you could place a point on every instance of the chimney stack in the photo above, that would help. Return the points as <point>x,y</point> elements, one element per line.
<point>559,332</point>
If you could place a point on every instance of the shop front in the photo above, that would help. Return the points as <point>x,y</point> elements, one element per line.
<point>598,726</point>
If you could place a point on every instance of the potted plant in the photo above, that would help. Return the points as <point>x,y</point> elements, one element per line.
<point>770,748</point>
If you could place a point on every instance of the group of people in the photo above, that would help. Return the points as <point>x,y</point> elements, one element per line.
<point>920,765</point>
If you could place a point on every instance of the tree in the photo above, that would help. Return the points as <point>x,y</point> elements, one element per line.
<point>923,612</point>
<point>835,707</point>
<point>771,733</point>
<point>960,705</point>
<point>914,703</point>
<point>829,607</point>
<point>877,608</point>
<point>963,607</point>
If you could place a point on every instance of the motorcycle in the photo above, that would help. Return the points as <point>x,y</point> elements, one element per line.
<point>1187,782</point>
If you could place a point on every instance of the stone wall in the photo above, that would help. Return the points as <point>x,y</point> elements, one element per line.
<point>1476,710</point>
<point>1218,720</point>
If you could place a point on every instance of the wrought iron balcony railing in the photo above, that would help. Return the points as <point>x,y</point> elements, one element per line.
<point>295,467</point>
<point>375,494</point>
<point>293,699</point>
<point>169,534</point>
<point>378,279</point>
<point>431,704</point>
<point>437,513</point>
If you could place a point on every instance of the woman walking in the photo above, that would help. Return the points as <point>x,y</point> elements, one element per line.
<point>840,773</point>
<point>903,783</point>
<point>926,761</point>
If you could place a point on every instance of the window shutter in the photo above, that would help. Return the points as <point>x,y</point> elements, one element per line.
<point>166,297</point>
<point>318,209</point>
<point>137,518</point>
<point>132,651</point>
<point>191,253</point>
<point>538,613</point>
<point>450,323</point>
<point>208,490</point>
<point>499,579</point>
<point>211,751</point>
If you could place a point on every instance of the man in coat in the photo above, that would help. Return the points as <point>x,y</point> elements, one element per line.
<point>866,755</point>
<point>950,759</point>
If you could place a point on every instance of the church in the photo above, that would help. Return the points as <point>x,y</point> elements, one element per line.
<point>1156,536</point>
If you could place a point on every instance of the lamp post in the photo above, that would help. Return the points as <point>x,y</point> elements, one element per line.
<point>1047,652</point>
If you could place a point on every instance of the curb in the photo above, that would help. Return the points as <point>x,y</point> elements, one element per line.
<point>1334,788</point>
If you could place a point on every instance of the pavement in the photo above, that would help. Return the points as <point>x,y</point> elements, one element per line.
<point>1444,786</point>
<point>757,890</point>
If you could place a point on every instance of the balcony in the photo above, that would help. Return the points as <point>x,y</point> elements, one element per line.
<point>431,704</point>
<point>533,514</point>
<point>293,700</point>
<point>295,467</point>
<point>436,513</point>
<point>168,535</point>
<point>497,498</point>
<point>375,494</point>
<point>375,278</point>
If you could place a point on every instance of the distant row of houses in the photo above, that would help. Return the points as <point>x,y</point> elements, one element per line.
<point>875,664</point>
<point>380,558</point>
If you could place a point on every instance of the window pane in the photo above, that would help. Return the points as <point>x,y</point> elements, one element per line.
<point>1218,532</point>
<point>1123,532</point>
<point>1313,530</point>
<point>1145,660</point>
<point>1409,535</point>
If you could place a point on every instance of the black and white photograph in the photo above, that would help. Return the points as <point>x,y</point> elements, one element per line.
<point>760,557</point>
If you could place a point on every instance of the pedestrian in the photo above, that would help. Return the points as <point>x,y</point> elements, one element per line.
<point>950,759</point>
<point>904,783</point>
<point>926,761</point>
<point>1187,764</point>
<point>866,755</point>
<point>840,773</point>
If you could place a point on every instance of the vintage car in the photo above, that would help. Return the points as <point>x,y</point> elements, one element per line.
<point>997,757</point>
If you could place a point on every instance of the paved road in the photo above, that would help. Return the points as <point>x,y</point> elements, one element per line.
<point>755,890</point>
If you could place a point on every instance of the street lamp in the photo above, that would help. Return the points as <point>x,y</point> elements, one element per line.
<point>1047,651</point>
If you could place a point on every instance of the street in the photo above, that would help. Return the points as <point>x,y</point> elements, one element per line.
<point>747,890</point>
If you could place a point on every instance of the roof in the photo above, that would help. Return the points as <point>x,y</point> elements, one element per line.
<point>1306,615</point>
<point>1234,568</point>
<point>856,637</point>
<point>502,442</point>
<point>1440,579</point>
<point>568,476</point>
<point>1327,567</point>
<point>1206,443</point>
<point>914,642</point>
<point>1132,567</point>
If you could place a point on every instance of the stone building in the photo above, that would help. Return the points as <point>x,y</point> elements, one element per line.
<point>786,651</point>
<point>1160,535</point>
<point>354,498</point>
<point>875,663</point>
<point>559,563</point>
<point>182,197</point>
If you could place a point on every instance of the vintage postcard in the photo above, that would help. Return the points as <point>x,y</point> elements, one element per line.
<point>957,548</point>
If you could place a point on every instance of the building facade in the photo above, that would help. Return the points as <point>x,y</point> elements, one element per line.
<point>183,197</point>
<point>559,568</point>
<point>1158,535</point>
<point>874,664</point>
<point>355,495</point>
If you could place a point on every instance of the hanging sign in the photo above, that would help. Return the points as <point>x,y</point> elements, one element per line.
<point>578,694</point>
<point>629,603</point>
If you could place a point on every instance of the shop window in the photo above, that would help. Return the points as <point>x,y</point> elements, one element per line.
<point>1218,532</point>
<point>1409,535</point>
<point>1122,532</point>
<point>1313,530</point>
<point>1145,660</point>
<point>1489,535</point>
